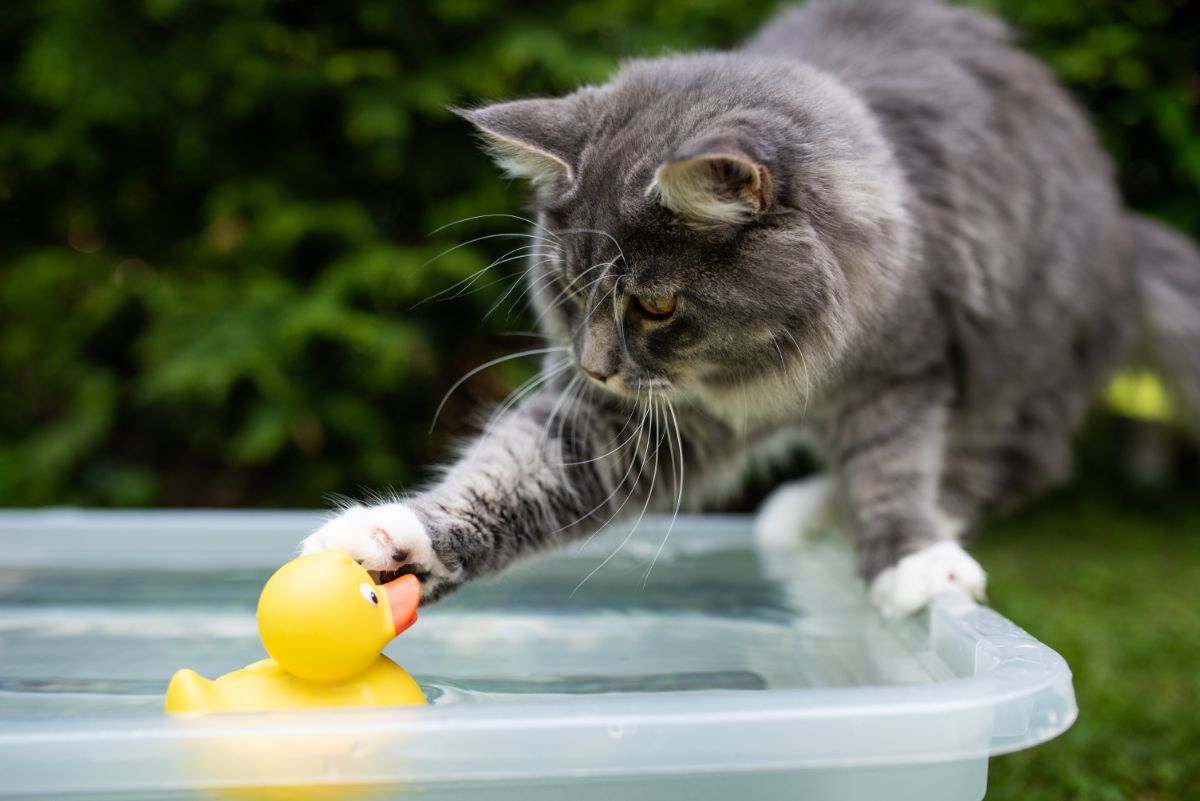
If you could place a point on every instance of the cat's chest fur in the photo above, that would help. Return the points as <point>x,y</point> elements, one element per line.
<point>732,431</point>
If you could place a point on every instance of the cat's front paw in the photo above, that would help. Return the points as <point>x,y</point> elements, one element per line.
<point>942,570</point>
<point>387,539</point>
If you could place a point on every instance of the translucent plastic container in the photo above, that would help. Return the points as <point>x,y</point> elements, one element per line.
<point>722,673</point>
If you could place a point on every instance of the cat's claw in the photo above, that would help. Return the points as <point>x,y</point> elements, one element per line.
<point>943,570</point>
<point>386,538</point>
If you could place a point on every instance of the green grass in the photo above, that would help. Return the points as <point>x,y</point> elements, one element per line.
<point>1110,578</point>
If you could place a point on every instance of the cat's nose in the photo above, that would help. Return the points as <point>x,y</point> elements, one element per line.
<point>596,356</point>
<point>597,375</point>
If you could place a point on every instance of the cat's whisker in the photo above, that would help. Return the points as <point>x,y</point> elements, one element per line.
<point>678,479</point>
<point>567,289</point>
<point>565,293</point>
<point>544,439</point>
<point>503,259</point>
<point>521,279</point>
<point>807,375</point>
<point>579,277</point>
<point>486,365</point>
<point>616,437</point>
<point>593,305</point>
<point>641,457</point>
<point>538,282</point>
<point>610,237</point>
<point>617,317</point>
<point>516,394</point>
<point>645,506</point>
<point>617,488</point>
<point>488,285</point>
<point>570,412</point>
<point>553,245</point>
<point>541,282</point>
<point>542,228</point>
<point>782,362</point>
<point>531,334</point>
<point>637,393</point>
<point>624,444</point>
<point>564,296</point>
<point>482,287</point>
<point>527,387</point>
<point>787,371</point>
<point>552,241</point>
<point>745,407</point>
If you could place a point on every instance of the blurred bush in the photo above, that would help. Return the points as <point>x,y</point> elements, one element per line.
<point>215,219</point>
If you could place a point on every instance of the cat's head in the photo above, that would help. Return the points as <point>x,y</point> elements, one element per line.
<point>705,222</point>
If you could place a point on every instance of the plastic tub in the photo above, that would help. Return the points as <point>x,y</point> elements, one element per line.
<point>724,672</point>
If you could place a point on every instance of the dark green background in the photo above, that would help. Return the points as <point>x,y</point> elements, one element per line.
<point>214,218</point>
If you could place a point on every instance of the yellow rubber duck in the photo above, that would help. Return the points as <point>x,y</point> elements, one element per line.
<point>323,621</point>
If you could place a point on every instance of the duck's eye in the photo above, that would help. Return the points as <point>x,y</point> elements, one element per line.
<point>657,306</point>
<point>368,592</point>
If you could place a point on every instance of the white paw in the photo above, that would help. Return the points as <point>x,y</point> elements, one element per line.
<point>795,512</point>
<point>943,570</point>
<point>383,539</point>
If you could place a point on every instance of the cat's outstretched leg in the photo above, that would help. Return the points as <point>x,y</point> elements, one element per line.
<point>544,472</point>
<point>889,448</point>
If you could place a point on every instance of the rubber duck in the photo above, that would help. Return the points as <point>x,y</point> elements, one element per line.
<point>324,622</point>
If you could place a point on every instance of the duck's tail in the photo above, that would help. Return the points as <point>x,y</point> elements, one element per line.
<point>188,692</point>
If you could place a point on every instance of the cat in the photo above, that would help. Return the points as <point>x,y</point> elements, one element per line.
<point>877,227</point>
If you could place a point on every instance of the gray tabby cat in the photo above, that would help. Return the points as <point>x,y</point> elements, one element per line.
<point>877,225</point>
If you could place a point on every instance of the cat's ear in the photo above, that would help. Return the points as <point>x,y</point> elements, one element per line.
<point>712,182</point>
<point>532,139</point>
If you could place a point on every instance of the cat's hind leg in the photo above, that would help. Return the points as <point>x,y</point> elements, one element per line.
<point>997,465</point>
<point>796,512</point>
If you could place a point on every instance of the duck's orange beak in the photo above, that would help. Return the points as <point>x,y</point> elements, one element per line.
<point>403,594</point>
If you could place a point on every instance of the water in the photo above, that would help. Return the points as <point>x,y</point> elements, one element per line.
<point>724,672</point>
<point>102,643</point>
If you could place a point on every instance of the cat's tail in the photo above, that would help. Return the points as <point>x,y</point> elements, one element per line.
<point>1168,270</point>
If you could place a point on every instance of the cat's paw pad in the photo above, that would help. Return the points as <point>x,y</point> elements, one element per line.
<point>795,513</point>
<point>386,539</point>
<point>943,570</point>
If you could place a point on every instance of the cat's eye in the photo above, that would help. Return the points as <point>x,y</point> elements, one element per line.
<point>368,593</point>
<point>659,307</point>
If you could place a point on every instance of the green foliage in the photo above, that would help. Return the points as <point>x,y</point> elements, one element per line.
<point>1111,578</point>
<point>216,223</point>
<point>215,219</point>
<point>1134,66</point>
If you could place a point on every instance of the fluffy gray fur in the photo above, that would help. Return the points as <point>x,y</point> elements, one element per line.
<point>911,251</point>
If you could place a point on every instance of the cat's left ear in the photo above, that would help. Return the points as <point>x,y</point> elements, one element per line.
<point>537,139</point>
<point>712,181</point>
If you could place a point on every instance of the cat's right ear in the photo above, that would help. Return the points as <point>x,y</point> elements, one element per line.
<point>713,181</point>
<point>537,140</point>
